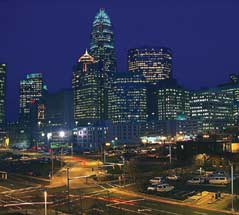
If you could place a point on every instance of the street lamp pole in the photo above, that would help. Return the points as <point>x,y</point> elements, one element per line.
<point>123,169</point>
<point>52,164</point>
<point>62,136</point>
<point>102,150</point>
<point>232,188</point>
<point>45,201</point>
<point>72,149</point>
<point>104,155</point>
<point>170,154</point>
<point>49,136</point>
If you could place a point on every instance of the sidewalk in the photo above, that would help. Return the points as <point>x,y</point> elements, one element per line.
<point>170,201</point>
<point>208,200</point>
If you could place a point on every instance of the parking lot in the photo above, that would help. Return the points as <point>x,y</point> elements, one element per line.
<point>183,190</point>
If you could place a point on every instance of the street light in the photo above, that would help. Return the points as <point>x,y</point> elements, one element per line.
<point>163,138</point>
<point>45,201</point>
<point>61,135</point>
<point>49,136</point>
<point>103,150</point>
<point>107,144</point>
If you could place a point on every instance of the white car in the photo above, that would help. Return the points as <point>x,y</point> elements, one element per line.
<point>219,180</point>
<point>152,188</point>
<point>196,180</point>
<point>156,180</point>
<point>173,177</point>
<point>164,188</point>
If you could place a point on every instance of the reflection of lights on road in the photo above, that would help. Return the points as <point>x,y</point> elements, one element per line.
<point>26,203</point>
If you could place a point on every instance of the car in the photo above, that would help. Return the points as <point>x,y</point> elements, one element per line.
<point>145,209</point>
<point>173,177</point>
<point>196,180</point>
<point>152,188</point>
<point>219,180</point>
<point>221,173</point>
<point>164,188</point>
<point>156,180</point>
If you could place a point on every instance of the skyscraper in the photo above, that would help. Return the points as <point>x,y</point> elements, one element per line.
<point>31,91</point>
<point>127,100</point>
<point>213,108</point>
<point>102,42</point>
<point>154,63</point>
<point>59,109</point>
<point>89,91</point>
<point>2,93</point>
<point>173,101</point>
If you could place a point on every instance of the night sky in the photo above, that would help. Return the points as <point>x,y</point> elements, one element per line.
<point>48,36</point>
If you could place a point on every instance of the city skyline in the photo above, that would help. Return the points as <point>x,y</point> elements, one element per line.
<point>195,53</point>
<point>119,108</point>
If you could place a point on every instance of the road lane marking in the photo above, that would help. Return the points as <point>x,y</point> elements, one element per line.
<point>167,212</point>
<point>201,213</point>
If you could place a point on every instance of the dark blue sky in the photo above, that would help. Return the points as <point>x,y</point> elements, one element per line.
<point>48,36</point>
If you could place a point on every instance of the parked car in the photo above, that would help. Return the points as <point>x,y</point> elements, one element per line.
<point>173,177</point>
<point>152,188</point>
<point>219,180</point>
<point>196,180</point>
<point>164,188</point>
<point>156,180</point>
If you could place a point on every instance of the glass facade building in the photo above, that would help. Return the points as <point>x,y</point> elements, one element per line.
<point>102,42</point>
<point>213,109</point>
<point>59,109</point>
<point>31,91</point>
<point>173,103</point>
<point>89,91</point>
<point>154,63</point>
<point>127,101</point>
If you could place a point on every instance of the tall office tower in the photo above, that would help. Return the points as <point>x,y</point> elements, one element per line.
<point>213,109</point>
<point>59,109</point>
<point>102,42</point>
<point>127,100</point>
<point>31,91</point>
<point>89,91</point>
<point>154,63</point>
<point>173,101</point>
<point>2,94</point>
